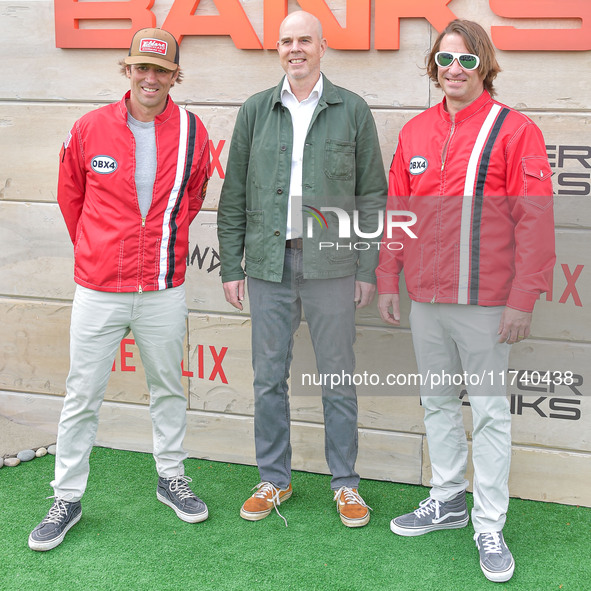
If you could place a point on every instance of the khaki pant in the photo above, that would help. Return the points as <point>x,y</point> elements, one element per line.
<point>99,321</point>
<point>450,339</point>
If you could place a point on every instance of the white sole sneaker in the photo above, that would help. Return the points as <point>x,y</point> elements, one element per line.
<point>50,544</point>
<point>187,517</point>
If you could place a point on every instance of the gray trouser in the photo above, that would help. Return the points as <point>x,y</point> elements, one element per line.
<point>276,314</point>
<point>454,339</point>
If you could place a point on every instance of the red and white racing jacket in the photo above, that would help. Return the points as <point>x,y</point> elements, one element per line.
<point>480,187</point>
<point>115,249</point>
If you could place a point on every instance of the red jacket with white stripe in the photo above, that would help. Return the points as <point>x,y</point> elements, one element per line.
<point>115,249</point>
<point>480,187</point>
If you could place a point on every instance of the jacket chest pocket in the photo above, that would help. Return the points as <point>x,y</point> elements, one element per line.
<point>339,160</point>
<point>537,187</point>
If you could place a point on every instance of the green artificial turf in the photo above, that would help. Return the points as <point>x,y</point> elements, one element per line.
<point>127,540</point>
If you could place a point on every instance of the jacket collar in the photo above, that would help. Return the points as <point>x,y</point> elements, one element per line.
<point>468,111</point>
<point>170,105</point>
<point>330,93</point>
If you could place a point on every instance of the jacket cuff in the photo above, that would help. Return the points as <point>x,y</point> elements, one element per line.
<point>522,300</point>
<point>388,284</point>
<point>371,278</point>
<point>238,276</point>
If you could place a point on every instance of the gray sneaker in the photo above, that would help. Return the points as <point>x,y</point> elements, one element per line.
<point>496,560</point>
<point>175,493</point>
<point>432,515</point>
<point>53,529</point>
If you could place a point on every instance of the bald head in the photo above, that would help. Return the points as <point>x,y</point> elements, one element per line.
<point>309,20</point>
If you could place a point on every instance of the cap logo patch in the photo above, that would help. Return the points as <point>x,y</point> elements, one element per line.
<point>153,46</point>
<point>418,165</point>
<point>103,164</point>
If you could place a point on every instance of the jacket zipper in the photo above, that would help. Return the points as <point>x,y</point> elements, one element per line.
<point>444,152</point>
<point>140,290</point>
<point>443,159</point>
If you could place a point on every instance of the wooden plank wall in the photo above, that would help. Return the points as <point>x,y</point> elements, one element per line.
<point>52,87</point>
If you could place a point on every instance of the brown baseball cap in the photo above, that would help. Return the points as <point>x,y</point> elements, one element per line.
<point>154,46</point>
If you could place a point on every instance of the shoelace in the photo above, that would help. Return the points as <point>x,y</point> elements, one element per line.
<point>491,542</point>
<point>180,486</point>
<point>427,506</point>
<point>351,497</point>
<point>58,510</point>
<point>263,491</point>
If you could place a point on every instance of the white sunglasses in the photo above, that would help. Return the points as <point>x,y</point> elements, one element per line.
<point>468,61</point>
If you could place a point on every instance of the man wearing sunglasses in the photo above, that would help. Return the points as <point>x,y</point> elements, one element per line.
<point>476,174</point>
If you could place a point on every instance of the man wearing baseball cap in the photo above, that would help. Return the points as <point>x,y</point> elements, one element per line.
<point>132,177</point>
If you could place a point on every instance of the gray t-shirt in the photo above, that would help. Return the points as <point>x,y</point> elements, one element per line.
<point>145,161</point>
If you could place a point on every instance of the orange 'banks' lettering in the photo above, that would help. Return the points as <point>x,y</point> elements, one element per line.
<point>232,21</point>
<point>389,12</point>
<point>543,39</point>
<point>69,13</point>
<point>356,35</point>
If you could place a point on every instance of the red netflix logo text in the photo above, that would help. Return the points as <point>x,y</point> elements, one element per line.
<point>209,362</point>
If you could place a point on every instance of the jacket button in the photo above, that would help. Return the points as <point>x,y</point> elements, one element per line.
<point>277,233</point>
<point>279,191</point>
<point>283,148</point>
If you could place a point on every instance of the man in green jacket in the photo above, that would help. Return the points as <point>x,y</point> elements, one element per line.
<point>303,146</point>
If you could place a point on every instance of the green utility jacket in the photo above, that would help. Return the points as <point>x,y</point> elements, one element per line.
<point>342,168</point>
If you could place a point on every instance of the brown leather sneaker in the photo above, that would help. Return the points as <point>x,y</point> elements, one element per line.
<point>351,507</point>
<point>263,501</point>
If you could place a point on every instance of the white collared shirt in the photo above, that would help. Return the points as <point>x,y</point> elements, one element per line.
<point>301,115</point>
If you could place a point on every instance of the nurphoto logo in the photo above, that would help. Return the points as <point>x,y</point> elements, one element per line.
<point>348,225</point>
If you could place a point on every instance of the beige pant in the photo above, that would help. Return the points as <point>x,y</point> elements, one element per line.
<point>452,340</point>
<point>99,321</point>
